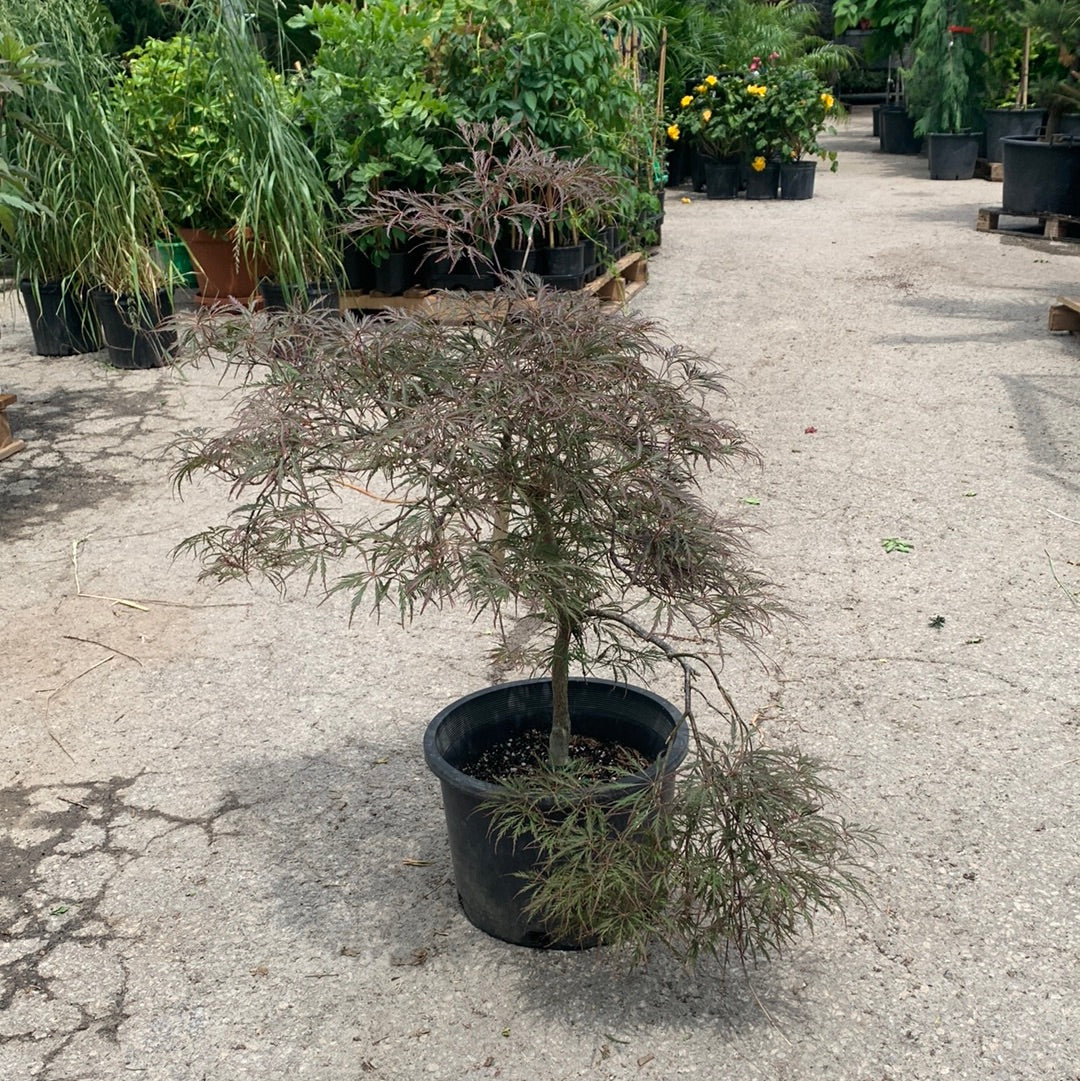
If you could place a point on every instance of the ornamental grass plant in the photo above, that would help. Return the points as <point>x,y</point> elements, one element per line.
<point>97,211</point>
<point>218,127</point>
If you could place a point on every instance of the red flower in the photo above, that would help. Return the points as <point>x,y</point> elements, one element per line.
<point>961,30</point>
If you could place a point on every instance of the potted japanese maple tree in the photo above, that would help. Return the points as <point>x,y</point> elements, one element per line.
<point>538,456</point>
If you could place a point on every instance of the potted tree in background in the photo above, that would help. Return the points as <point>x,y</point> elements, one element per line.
<point>540,458</point>
<point>944,89</point>
<point>179,117</point>
<point>1007,31</point>
<point>378,120</point>
<point>1042,173</point>
<point>894,24</point>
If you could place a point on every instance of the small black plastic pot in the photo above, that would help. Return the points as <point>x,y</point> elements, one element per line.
<point>898,131</point>
<point>61,319</point>
<point>132,328</point>
<point>698,164</point>
<point>392,276</point>
<point>952,156</point>
<point>565,266</point>
<point>317,296</point>
<point>609,242</point>
<point>722,178</point>
<point>460,274</point>
<point>517,260</point>
<point>763,183</point>
<point>797,179</point>
<point>486,871</point>
<point>591,268</point>
<point>358,267</point>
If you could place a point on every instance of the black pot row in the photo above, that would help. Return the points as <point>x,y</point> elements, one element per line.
<point>726,179</point>
<point>568,267</point>
<point>67,322</point>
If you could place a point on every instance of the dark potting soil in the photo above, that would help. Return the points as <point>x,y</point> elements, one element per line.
<point>601,762</point>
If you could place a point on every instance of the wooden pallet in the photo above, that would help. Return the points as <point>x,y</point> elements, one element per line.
<point>989,170</point>
<point>8,445</point>
<point>625,279</point>
<point>1047,226</point>
<point>1064,315</point>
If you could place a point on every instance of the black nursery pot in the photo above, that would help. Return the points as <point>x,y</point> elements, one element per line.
<point>1007,124</point>
<point>61,319</point>
<point>698,163</point>
<point>517,260</point>
<point>565,266</point>
<point>460,274</point>
<point>132,330</point>
<point>763,183</point>
<point>358,267</point>
<point>722,177</point>
<point>609,242</point>
<point>392,276</point>
<point>486,871</point>
<point>898,131</point>
<point>317,296</point>
<point>797,179</point>
<point>952,156</point>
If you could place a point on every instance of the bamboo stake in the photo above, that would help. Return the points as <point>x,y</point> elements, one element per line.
<point>1025,66</point>
<point>661,74</point>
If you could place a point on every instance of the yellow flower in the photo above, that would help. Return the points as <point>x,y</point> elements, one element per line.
<point>700,88</point>
<point>706,115</point>
<point>827,100</point>
<point>758,164</point>
<point>757,89</point>
<point>673,133</point>
<point>711,80</point>
<point>686,101</point>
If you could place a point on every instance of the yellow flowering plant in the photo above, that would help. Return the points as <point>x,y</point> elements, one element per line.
<point>803,109</point>
<point>713,113</point>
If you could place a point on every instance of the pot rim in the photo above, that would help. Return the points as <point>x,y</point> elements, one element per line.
<point>678,743</point>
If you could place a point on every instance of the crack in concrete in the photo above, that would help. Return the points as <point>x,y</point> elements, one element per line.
<point>51,827</point>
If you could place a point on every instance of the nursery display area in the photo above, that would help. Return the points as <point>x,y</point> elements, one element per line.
<point>336,152</point>
<point>985,89</point>
<point>500,682</point>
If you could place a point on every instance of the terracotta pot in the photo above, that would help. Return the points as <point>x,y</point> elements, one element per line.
<point>221,276</point>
